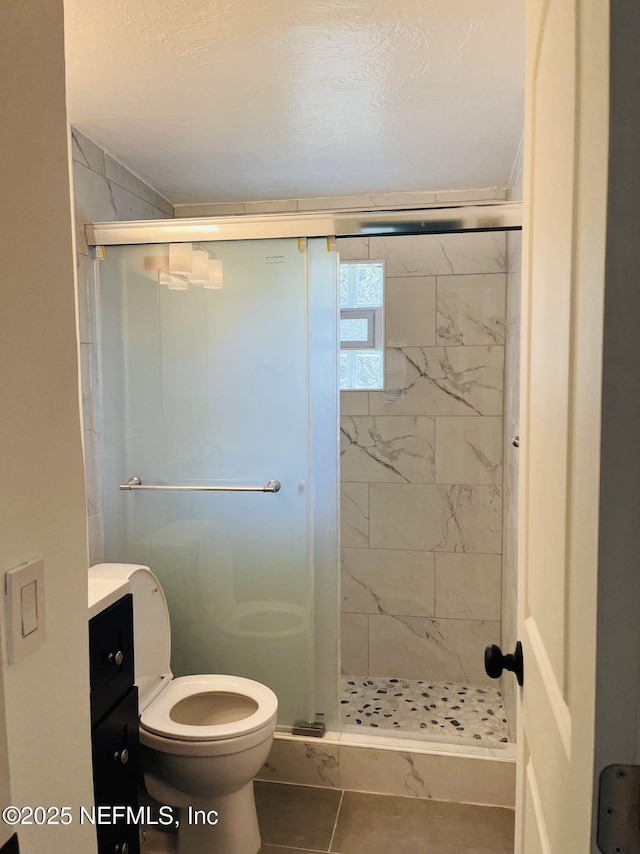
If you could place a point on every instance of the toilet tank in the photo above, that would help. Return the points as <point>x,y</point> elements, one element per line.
<point>151,626</point>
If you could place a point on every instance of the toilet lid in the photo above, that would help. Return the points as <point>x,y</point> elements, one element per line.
<point>151,626</point>
<point>209,708</point>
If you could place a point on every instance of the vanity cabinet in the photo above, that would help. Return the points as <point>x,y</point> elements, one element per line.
<point>114,723</point>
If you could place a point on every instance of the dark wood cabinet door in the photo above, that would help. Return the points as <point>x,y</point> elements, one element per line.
<point>111,656</point>
<point>116,773</point>
<point>116,754</point>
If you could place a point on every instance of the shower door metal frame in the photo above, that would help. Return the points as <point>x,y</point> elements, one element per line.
<point>438,219</point>
<point>444,219</point>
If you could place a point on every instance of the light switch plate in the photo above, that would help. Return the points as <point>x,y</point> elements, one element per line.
<point>24,601</point>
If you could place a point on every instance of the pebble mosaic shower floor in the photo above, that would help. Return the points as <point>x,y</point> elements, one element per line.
<point>419,706</point>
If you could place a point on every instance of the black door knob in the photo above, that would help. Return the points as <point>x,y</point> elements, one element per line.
<point>495,662</point>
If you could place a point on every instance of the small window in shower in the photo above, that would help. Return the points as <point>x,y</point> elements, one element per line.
<point>362,325</point>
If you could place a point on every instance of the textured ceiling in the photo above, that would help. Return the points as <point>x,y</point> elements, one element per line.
<point>226,100</point>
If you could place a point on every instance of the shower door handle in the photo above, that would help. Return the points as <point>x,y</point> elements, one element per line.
<point>135,483</point>
<point>495,662</point>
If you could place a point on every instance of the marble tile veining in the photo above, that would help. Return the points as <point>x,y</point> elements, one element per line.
<point>86,152</point>
<point>445,336</point>
<point>86,307</point>
<point>103,191</point>
<point>310,763</point>
<point>434,517</point>
<point>387,449</point>
<point>96,199</point>
<point>354,514</point>
<point>96,546</point>
<point>130,207</point>
<point>89,383</point>
<point>468,586</point>
<point>443,649</point>
<point>422,706</point>
<point>91,471</point>
<point>471,309</point>
<point>354,640</point>
<point>441,254</point>
<point>123,177</point>
<point>514,252</point>
<point>381,581</point>
<point>441,381</point>
<point>93,201</point>
<point>469,450</point>
<point>459,777</point>
<point>511,461</point>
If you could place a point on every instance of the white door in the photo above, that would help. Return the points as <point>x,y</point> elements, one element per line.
<point>566,132</point>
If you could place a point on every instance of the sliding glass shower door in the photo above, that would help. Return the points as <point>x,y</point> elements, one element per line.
<point>206,386</point>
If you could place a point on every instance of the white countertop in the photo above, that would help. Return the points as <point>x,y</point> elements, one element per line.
<point>104,592</point>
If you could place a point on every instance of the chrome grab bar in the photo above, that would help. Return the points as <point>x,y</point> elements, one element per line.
<point>135,483</point>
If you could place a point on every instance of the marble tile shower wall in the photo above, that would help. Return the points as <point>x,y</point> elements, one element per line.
<point>103,191</point>
<point>511,429</point>
<point>421,465</point>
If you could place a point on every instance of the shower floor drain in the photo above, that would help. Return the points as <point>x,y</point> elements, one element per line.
<point>474,712</point>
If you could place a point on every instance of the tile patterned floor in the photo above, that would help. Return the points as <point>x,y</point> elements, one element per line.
<point>304,819</point>
<point>439,708</point>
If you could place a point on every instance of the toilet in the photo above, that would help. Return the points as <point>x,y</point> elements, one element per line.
<point>204,738</point>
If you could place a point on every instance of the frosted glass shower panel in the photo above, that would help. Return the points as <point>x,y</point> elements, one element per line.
<point>210,387</point>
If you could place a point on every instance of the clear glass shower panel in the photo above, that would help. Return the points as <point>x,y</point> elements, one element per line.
<point>207,387</point>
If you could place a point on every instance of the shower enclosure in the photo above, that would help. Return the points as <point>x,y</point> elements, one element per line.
<point>220,444</point>
<point>422,493</point>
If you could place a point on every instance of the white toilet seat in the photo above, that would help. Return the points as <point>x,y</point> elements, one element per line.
<point>156,717</point>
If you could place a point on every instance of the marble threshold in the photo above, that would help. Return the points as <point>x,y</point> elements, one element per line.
<point>392,741</point>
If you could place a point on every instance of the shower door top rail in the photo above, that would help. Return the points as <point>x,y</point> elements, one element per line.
<point>487,216</point>
<point>135,483</point>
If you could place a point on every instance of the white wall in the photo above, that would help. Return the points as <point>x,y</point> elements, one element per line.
<point>46,697</point>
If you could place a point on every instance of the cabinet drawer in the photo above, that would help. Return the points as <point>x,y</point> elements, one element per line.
<point>111,656</point>
<point>116,754</point>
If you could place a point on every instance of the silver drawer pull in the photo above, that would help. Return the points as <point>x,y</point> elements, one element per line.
<point>121,756</point>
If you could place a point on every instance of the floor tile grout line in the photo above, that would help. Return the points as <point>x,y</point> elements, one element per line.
<point>335,824</point>
<point>358,792</point>
<point>300,785</point>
